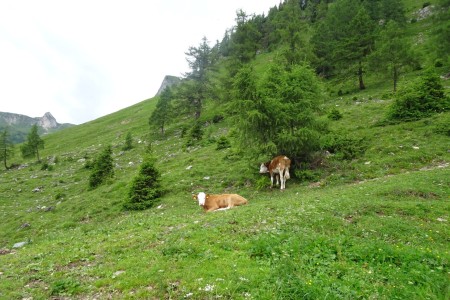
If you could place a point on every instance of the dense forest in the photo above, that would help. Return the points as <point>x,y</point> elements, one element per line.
<point>313,47</point>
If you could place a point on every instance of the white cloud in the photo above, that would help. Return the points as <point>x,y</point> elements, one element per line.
<point>82,59</point>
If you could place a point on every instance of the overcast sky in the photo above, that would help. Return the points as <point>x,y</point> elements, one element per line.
<point>83,59</point>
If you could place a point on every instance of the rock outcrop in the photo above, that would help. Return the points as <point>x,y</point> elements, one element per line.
<point>168,81</point>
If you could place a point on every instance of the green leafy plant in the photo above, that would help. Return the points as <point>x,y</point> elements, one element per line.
<point>223,143</point>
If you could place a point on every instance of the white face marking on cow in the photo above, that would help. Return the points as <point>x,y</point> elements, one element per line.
<point>201,198</point>
<point>263,169</point>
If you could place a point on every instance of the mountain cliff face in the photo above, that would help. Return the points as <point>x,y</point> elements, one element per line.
<point>20,125</point>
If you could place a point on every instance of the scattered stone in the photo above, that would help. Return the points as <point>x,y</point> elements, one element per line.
<point>81,160</point>
<point>118,273</point>
<point>441,220</point>
<point>19,245</point>
<point>25,225</point>
<point>206,177</point>
<point>37,189</point>
<point>416,148</point>
<point>189,167</point>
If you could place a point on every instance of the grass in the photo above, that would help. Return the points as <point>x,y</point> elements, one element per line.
<point>375,226</point>
<point>385,238</point>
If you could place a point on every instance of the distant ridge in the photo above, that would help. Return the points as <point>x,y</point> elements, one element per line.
<point>19,125</point>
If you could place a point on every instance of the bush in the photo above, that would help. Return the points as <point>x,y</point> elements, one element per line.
<point>335,115</point>
<point>344,147</point>
<point>195,134</point>
<point>128,142</point>
<point>223,143</point>
<point>145,188</point>
<point>102,168</point>
<point>421,99</point>
<point>217,118</point>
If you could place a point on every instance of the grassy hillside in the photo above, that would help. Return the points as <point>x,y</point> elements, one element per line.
<point>375,226</point>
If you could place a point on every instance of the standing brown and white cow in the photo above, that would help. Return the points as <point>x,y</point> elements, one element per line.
<point>279,166</point>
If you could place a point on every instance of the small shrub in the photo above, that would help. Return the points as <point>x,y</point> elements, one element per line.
<point>262,182</point>
<point>44,166</point>
<point>217,118</point>
<point>426,4</point>
<point>128,142</point>
<point>59,196</point>
<point>66,286</point>
<point>340,92</point>
<point>195,134</point>
<point>421,99</point>
<point>345,147</point>
<point>335,115</point>
<point>438,63</point>
<point>307,175</point>
<point>145,189</point>
<point>223,143</point>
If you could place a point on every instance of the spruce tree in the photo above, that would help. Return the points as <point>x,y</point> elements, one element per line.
<point>31,147</point>
<point>281,116</point>
<point>103,168</point>
<point>163,111</point>
<point>392,52</point>
<point>145,188</point>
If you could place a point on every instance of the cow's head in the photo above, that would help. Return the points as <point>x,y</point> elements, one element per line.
<point>201,197</point>
<point>264,168</point>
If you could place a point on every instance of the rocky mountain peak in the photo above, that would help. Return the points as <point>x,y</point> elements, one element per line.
<point>47,121</point>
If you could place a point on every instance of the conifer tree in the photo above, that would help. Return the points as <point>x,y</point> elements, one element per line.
<point>6,147</point>
<point>280,116</point>
<point>163,111</point>
<point>128,142</point>
<point>197,86</point>
<point>103,168</point>
<point>392,51</point>
<point>31,147</point>
<point>343,40</point>
<point>145,189</point>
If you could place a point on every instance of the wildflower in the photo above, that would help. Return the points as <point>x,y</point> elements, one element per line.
<point>208,288</point>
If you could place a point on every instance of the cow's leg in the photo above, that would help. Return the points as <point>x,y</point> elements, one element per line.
<point>282,181</point>
<point>271,180</point>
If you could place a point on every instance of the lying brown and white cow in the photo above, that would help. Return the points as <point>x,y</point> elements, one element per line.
<point>219,202</point>
<point>279,166</point>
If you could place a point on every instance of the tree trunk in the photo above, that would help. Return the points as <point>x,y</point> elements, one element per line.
<point>360,77</point>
